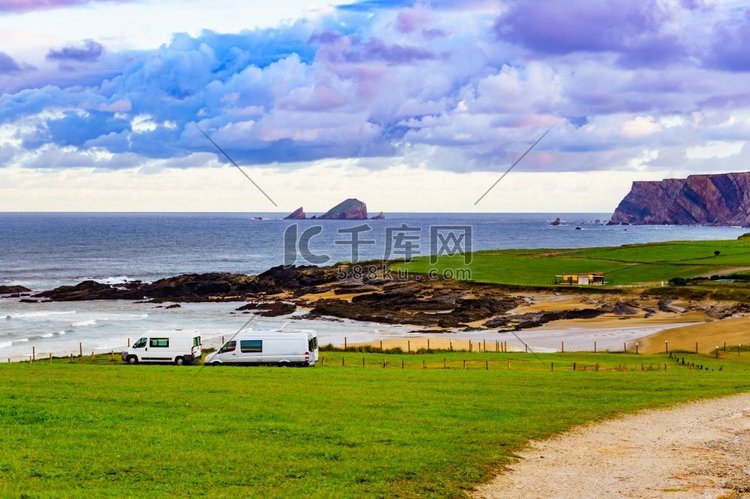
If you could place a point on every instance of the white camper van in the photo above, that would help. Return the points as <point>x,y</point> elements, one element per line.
<point>180,348</point>
<point>298,347</point>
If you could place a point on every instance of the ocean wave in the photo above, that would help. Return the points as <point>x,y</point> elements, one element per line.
<point>20,340</point>
<point>37,315</point>
<point>84,323</point>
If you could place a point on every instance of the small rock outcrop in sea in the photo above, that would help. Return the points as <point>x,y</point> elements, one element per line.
<point>350,209</point>
<point>720,199</point>
<point>379,216</point>
<point>298,214</point>
<point>7,290</point>
<point>556,221</point>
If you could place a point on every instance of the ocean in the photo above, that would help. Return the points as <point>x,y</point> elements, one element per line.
<point>45,250</point>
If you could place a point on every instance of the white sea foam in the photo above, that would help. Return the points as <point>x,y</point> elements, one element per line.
<point>41,314</point>
<point>85,323</point>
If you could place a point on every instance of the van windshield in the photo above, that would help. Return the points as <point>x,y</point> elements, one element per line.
<point>140,343</point>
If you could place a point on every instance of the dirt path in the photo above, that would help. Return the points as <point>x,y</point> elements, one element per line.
<point>700,449</point>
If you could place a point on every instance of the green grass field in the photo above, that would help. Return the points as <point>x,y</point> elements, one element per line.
<point>97,428</point>
<point>646,264</point>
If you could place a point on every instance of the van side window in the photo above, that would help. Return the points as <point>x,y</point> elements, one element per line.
<point>229,346</point>
<point>247,346</point>
<point>312,344</point>
<point>159,342</point>
<point>197,341</point>
<point>140,343</point>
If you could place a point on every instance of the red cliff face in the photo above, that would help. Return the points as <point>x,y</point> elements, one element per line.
<point>721,199</point>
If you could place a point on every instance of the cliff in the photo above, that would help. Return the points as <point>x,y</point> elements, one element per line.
<point>720,199</point>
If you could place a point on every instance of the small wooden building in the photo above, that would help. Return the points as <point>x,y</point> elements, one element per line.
<point>587,279</point>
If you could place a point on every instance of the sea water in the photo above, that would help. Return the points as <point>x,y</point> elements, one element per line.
<point>45,250</point>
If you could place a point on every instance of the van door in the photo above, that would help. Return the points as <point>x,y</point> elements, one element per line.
<point>227,353</point>
<point>158,350</point>
<point>251,351</point>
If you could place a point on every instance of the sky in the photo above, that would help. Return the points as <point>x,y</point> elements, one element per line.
<point>407,105</point>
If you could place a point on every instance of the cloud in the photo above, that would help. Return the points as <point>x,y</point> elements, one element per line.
<point>8,64</point>
<point>88,51</point>
<point>729,45</point>
<point>454,86</point>
<point>10,6</point>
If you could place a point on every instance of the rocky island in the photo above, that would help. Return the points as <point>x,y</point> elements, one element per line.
<point>349,209</point>
<point>719,199</point>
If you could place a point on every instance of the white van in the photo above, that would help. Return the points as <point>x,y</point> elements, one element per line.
<point>180,348</point>
<point>297,347</point>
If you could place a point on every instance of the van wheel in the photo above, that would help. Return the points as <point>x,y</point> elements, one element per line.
<point>179,360</point>
<point>215,363</point>
<point>132,359</point>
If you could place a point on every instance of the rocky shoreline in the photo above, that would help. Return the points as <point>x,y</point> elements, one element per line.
<point>341,292</point>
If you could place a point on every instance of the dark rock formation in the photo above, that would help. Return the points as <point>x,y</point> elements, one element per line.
<point>269,309</point>
<point>379,216</point>
<point>174,305</point>
<point>720,199</point>
<point>298,214</point>
<point>6,290</point>
<point>350,209</point>
<point>536,319</point>
<point>556,221</point>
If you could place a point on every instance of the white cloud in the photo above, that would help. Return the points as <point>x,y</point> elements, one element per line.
<point>715,150</point>
<point>640,127</point>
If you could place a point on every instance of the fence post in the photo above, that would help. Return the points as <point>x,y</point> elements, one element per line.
<point>497,346</point>
<point>363,361</point>
<point>424,366</point>
<point>381,345</point>
<point>464,364</point>
<point>469,345</point>
<point>345,343</point>
<point>696,347</point>
<point>451,344</point>
<point>551,366</point>
<point>445,366</point>
<point>128,342</point>
<point>666,346</point>
<point>385,362</point>
<point>402,363</point>
<point>80,350</point>
<point>484,345</point>
<point>636,348</point>
<point>408,346</point>
<point>342,361</point>
<point>428,343</point>
<point>50,358</point>
<point>562,347</point>
<point>33,354</point>
<point>486,365</point>
<point>594,347</point>
<point>526,347</point>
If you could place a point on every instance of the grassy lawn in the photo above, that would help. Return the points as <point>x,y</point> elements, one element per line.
<point>96,428</point>
<point>631,264</point>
